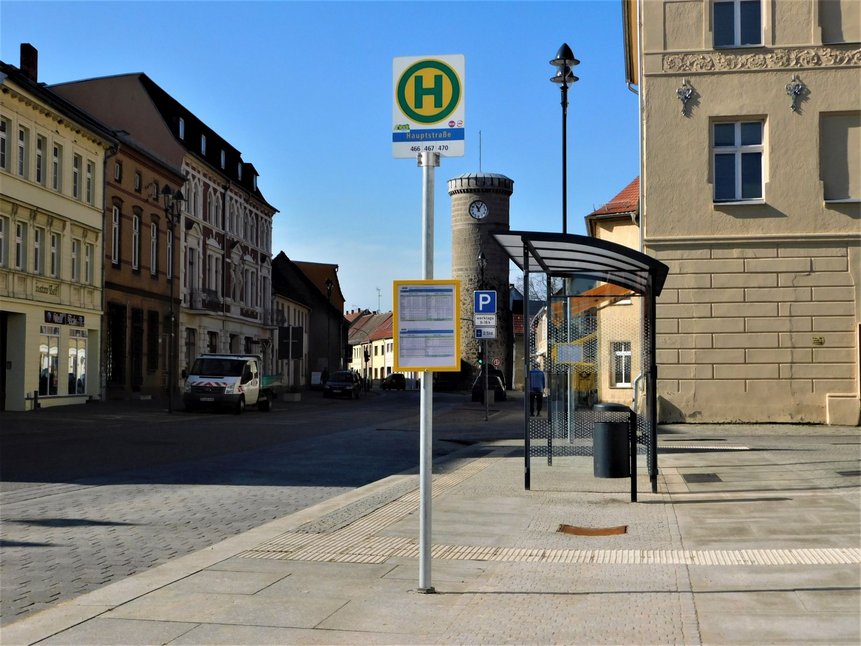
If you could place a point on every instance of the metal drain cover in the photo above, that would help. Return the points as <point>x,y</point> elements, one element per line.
<point>695,478</point>
<point>592,531</point>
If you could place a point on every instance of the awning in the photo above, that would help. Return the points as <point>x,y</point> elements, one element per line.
<point>567,255</point>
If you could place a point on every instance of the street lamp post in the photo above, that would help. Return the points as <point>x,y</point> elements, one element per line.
<point>329,285</point>
<point>482,265</point>
<point>564,77</point>
<point>172,212</point>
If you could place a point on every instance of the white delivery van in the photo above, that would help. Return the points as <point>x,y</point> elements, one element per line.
<point>231,381</point>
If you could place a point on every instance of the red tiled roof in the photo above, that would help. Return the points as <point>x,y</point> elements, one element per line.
<point>627,201</point>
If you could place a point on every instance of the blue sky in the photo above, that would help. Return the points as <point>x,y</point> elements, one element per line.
<point>304,91</point>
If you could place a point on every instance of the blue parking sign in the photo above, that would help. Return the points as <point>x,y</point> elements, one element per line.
<point>485,301</point>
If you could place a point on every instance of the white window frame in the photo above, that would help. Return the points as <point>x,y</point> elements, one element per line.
<point>75,260</point>
<point>38,244</point>
<point>736,23</point>
<point>118,171</point>
<point>90,186</point>
<point>55,254</point>
<point>88,263</point>
<point>4,228</point>
<point>76,176</point>
<point>23,146</point>
<point>5,126</point>
<point>41,144</point>
<point>136,241</point>
<point>115,235</point>
<point>738,150</point>
<point>57,167</point>
<point>621,351</point>
<point>153,248</point>
<point>20,246</point>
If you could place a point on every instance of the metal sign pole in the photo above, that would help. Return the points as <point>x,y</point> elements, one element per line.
<point>428,161</point>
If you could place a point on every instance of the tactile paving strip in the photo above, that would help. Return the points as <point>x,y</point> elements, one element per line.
<point>358,543</point>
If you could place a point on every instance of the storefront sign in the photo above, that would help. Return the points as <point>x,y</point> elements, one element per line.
<point>64,318</point>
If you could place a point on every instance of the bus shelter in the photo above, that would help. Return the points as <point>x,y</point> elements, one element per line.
<point>593,343</point>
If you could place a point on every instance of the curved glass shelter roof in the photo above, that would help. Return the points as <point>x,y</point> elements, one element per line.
<point>558,254</point>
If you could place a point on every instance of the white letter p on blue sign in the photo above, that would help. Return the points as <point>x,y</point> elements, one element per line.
<point>485,302</point>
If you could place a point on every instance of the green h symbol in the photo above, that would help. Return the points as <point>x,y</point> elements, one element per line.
<point>421,91</point>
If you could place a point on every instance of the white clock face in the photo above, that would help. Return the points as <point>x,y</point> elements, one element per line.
<point>478,210</point>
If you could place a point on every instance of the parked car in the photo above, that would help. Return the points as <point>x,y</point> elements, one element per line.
<point>343,383</point>
<point>494,383</point>
<point>395,381</point>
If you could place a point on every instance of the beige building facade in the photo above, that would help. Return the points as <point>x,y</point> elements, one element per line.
<point>52,160</point>
<point>751,193</point>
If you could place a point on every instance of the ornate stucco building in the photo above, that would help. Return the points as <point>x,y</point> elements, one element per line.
<point>224,238</point>
<point>751,193</point>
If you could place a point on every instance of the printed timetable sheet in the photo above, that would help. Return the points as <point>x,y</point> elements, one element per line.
<point>427,325</point>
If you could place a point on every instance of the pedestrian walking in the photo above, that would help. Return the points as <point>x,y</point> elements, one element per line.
<point>536,390</point>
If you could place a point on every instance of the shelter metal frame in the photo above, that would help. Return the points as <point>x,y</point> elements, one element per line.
<point>575,256</point>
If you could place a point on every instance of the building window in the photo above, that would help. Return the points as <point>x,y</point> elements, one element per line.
<point>738,161</point>
<point>223,159</point>
<point>169,254</point>
<point>76,253</point>
<point>41,145</point>
<point>621,363</point>
<point>55,254</point>
<point>212,341</point>
<point>202,144</point>
<point>737,23</point>
<point>181,128</point>
<point>136,241</point>
<point>38,242</point>
<point>213,274</point>
<point>153,249</point>
<point>4,228</point>
<point>118,171</point>
<point>23,144</point>
<point>115,235</point>
<point>49,359</point>
<point>76,177</point>
<point>138,182</point>
<point>20,245</point>
<point>4,143</point>
<point>239,170</point>
<point>840,156</point>
<point>77,362</point>
<point>91,171</point>
<point>57,167</point>
<point>88,264</point>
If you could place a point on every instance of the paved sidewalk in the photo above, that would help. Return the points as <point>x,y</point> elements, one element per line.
<point>754,537</point>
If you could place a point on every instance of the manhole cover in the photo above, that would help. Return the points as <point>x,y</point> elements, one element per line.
<point>701,477</point>
<point>592,531</point>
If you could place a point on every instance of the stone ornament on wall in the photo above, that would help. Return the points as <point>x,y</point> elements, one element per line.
<point>771,59</point>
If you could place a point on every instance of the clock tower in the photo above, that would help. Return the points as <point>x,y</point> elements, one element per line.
<point>480,208</point>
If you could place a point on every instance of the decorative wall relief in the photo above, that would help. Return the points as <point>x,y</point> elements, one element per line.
<point>762,60</point>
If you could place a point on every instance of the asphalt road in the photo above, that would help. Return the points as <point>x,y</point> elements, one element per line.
<point>94,493</point>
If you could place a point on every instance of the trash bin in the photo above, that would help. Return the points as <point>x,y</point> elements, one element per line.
<point>611,453</point>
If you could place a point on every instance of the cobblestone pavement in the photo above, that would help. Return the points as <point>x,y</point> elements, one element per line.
<point>61,539</point>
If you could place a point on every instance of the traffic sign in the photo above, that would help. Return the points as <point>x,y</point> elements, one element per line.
<point>485,320</point>
<point>485,333</point>
<point>484,301</point>
<point>428,111</point>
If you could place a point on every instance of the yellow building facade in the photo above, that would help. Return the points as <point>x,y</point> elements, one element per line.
<point>751,193</point>
<point>52,160</point>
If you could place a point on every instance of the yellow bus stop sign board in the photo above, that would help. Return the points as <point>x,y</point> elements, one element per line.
<point>428,109</point>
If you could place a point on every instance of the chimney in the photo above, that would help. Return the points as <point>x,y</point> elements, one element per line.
<point>30,62</point>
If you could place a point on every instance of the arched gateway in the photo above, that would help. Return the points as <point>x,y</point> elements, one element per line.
<point>593,340</point>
